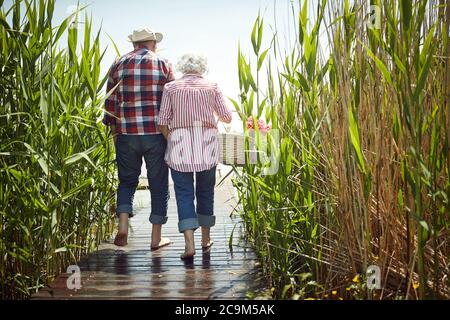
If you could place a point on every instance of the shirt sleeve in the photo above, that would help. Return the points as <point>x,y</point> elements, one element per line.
<point>220,107</point>
<point>170,76</point>
<point>165,113</point>
<point>167,68</point>
<point>111,106</point>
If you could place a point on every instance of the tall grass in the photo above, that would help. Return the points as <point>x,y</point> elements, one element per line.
<point>56,169</point>
<point>364,152</point>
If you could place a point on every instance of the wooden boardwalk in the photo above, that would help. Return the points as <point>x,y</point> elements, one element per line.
<point>135,272</point>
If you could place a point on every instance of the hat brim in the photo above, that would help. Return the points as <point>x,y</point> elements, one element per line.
<point>158,38</point>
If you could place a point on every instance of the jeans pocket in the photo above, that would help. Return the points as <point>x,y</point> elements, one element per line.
<point>122,145</point>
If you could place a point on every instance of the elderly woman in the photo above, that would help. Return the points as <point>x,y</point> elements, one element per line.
<point>187,120</point>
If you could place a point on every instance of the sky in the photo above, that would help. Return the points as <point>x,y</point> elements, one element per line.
<point>212,27</point>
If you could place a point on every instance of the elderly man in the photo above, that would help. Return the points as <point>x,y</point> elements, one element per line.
<point>137,80</point>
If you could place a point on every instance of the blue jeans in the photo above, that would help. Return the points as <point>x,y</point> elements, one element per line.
<point>188,217</point>
<point>129,152</point>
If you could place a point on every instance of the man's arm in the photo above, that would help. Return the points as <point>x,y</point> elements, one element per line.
<point>109,117</point>
<point>165,131</point>
<point>168,70</point>
<point>113,132</point>
<point>165,114</point>
<point>171,75</point>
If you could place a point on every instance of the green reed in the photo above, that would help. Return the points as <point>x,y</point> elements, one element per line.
<point>56,169</point>
<point>364,152</point>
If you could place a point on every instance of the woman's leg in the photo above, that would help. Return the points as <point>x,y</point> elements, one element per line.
<point>204,189</point>
<point>206,238</point>
<point>187,218</point>
<point>189,249</point>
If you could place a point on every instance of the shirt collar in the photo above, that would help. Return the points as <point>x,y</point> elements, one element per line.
<point>140,47</point>
<point>192,75</point>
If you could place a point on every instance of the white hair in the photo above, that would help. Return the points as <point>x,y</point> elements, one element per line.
<point>192,63</point>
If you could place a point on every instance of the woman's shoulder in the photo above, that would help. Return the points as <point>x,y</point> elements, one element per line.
<point>189,83</point>
<point>211,83</point>
<point>206,83</point>
<point>172,85</point>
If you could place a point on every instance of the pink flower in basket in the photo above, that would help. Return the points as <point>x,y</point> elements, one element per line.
<point>265,129</point>
<point>261,125</point>
<point>250,123</point>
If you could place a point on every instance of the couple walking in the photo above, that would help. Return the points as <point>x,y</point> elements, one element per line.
<point>171,123</point>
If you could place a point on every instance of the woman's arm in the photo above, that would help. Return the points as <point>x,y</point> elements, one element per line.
<point>221,108</point>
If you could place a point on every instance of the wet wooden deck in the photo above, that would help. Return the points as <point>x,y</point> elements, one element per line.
<point>135,272</point>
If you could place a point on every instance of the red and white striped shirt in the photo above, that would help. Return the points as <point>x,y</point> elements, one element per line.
<point>188,107</point>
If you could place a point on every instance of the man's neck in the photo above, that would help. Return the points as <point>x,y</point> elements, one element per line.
<point>142,46</point>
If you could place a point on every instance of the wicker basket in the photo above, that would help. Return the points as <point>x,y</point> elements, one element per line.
<point>232,150</point>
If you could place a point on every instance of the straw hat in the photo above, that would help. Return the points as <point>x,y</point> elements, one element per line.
<point>145,34</point>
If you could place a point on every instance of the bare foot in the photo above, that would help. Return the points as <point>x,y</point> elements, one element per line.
<point>122,234</point>
<point>189,250</point>
<point>157,240</point>
<point>206,244</point>
<point>187,255</point>
<point>121,239</point>
<point>162,243</point>
<point>206,238</point>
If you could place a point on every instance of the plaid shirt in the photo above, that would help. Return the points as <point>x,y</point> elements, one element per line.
<point>134,105</point>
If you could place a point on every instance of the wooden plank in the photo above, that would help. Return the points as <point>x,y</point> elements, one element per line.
<point>135,272</point>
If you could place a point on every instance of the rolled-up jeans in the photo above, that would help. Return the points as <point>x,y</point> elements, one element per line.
<point>130,149</point>
<point>190,217</point>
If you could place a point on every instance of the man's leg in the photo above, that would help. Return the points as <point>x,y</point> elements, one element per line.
<point>204,190</point>
<point>158,181</point>
<point>129,162</point>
